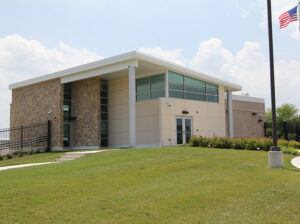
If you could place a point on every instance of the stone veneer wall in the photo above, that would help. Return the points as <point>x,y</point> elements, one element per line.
<point>85,130</point>
<point>31,104</point>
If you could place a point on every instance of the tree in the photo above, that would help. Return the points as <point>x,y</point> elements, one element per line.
<point>286,112</point>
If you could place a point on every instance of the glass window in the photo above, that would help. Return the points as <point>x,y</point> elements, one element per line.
<point>142,81</point>
<point>212,91</point>
<point>195,89</point>
<point>192,81</point>
<point>143,96</point>
<point>195,96</point>
<point>157,94</point>
<point>142,88</point>
<point>176,94</point>
<point>208,85</point>
<point>157,78</point>
<point>175,77</point>
<point>150,87</point>
<point>212,98</point>
<point>185,87</point>
<point>176,86</point>
<point>157,86</point>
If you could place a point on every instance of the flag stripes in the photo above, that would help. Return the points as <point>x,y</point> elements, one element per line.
<point>286,18</point>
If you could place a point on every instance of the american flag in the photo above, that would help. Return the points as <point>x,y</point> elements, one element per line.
<point>286,18</point>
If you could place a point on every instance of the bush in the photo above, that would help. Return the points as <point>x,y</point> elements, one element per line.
<point>251,144</point>
<point>239,143</point>
<point>1,158</point>
<point>265,144</point>
<point>9,156</point>
<point>20,154</point>
<point>289,150</point>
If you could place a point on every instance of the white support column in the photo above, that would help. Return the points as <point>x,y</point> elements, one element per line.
<point>132,108</point>
<point>166,85</point>
<point>230,114</point>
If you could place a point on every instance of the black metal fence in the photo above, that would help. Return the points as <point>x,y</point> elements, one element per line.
<point>25,138</point>
<point>285,130</point>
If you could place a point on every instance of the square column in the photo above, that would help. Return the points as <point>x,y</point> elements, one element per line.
<point>230,114</point>
<point>132,107</point>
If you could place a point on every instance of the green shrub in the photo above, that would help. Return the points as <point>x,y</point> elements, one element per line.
<point>20,154</point>
<point>9,156</point>
<point>239,143</point>
<point>251,144</point>
<point>1,158</point>
<point>264,143</point>
<point>31,152</point>
<point>289,150</point>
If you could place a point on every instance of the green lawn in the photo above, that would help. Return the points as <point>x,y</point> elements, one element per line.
<point>157,185</point>
<point>36,158</point>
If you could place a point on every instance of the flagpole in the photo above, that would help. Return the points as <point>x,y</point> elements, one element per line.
<point>275,155</point>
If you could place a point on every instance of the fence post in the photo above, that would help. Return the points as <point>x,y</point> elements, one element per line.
<point>21,138</point>
<point>285,130</point>
<point>49,135</point>
<point>265,128</point>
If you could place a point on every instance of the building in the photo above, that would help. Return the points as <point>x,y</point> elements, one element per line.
<point>129,100</point>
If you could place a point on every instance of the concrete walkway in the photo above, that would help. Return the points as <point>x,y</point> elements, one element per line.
<point>296,161</point>
<point>66,157</point>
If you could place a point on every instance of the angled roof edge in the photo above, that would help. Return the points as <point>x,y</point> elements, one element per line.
<point>121,58</point>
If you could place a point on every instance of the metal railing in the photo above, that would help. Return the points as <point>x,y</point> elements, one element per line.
<point>25,138</point>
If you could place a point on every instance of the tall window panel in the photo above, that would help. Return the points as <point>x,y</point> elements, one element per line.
<point>67,108</point>
<point>150,87</point>
<point>104,113</point>
<point>184,87</point>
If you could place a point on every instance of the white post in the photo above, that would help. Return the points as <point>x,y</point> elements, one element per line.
<point>166,85</point>
<point>132,110</point>
<point>230,115</point>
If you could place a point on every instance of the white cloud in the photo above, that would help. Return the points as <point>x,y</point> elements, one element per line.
<point>249,67</point>
<point>211,56</point>
<point>22,59</point>
<point>170,55</point>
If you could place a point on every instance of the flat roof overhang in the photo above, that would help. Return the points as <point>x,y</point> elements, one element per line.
<point>117,67</point>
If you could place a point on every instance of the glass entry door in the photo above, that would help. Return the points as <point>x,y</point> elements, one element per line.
<point>183,129</point>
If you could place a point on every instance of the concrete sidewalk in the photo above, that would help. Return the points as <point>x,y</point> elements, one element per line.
<point>66,157</point>
<point>296,161</point>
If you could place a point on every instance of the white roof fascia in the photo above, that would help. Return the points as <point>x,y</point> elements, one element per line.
<point>77,69</point>
<point>178,68</point>
<point>247,99</point>
<point>99,71</point>
<point>99,66</point>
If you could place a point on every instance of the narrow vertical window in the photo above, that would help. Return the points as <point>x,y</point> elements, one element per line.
<point>67,110</point>
<point>104,113</point>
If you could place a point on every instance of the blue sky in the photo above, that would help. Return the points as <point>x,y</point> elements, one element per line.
<point>225,38</point>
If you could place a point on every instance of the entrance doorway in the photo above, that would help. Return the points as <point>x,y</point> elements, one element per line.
<point>183,129</point>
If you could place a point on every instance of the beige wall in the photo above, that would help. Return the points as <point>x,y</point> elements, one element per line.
<point>31,104</point>
<point>85,130</point>
<point>208,119</point>
<point>245,124</point>
<point>118,109</point>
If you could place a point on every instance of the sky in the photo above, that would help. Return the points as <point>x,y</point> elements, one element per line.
<point>226,39</point>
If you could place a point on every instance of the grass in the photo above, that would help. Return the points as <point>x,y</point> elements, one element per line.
<point>35,158</point>
<point>155,185</point>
